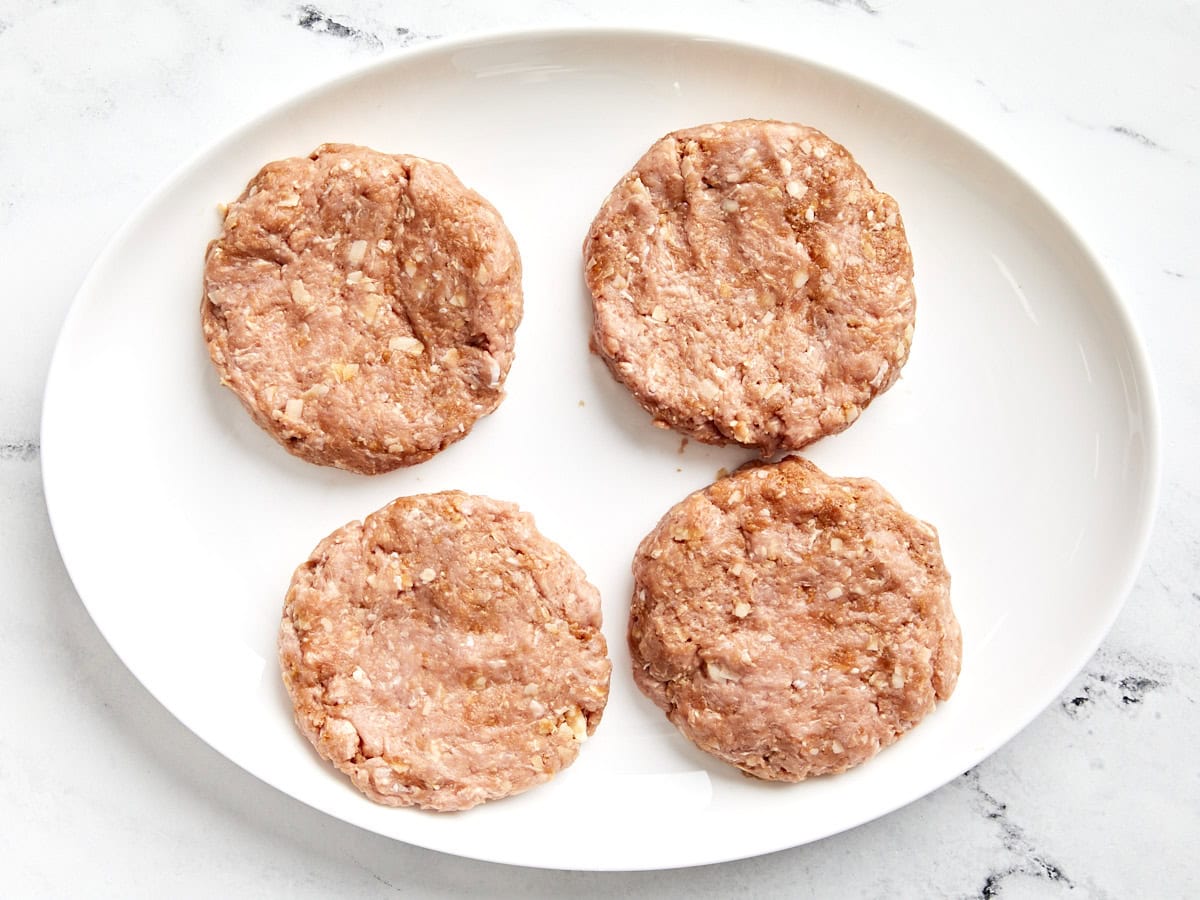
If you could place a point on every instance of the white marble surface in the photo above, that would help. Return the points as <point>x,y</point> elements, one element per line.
<point>103,793</point>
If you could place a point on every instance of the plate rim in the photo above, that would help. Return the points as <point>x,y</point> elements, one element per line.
<point>1138,357</point>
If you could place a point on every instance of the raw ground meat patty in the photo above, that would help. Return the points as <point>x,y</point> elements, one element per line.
<point>362,306</point>
<point>442,652</point>
<point>791,623</point>
<point>750,285</point>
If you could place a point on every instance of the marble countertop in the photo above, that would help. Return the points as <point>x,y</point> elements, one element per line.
<point>104,793</point>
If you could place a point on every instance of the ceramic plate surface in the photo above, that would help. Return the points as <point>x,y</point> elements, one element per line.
<point>1023,427</point>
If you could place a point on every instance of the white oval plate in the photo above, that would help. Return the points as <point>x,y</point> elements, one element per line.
<point>1024,428</point>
